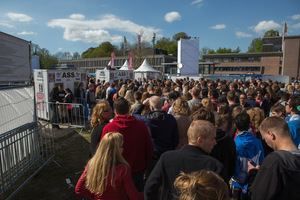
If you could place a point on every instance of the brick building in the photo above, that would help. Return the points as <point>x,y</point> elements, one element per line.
<point>271,61</point>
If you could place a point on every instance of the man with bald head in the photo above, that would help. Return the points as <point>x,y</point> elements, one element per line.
<point>162,127</point>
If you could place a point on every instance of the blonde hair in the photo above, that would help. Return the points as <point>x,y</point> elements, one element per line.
<point>97,111</point>
<point>257,115</point>
<point>129,96</point>
<point>202,184</point>
<point>181,107</point>
<point>207,103</point>
<point>199,128</point>
<point>107,156</point>
<point>122,91</point>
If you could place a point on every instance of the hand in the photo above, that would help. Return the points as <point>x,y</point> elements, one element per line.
<point>250,166</point>
<point>146,101</point>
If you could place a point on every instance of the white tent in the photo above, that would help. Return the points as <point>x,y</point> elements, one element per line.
<point>145,67</point>
<point>125,66</point>
<point>146,71</point>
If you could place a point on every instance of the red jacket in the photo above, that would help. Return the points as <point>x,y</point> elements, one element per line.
<point>123,186</point>
<point>138,148</point>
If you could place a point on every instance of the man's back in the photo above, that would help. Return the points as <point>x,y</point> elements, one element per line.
<point>187,159</point>
<point>138,149</point>
<point>277,178</point>
<point>162,127</point>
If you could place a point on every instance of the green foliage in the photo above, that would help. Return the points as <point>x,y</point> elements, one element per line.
<point>179,35</point>
<point>255,46</point>
<point>271,33</point>
<point>167,45</point>
<point>103,50</point>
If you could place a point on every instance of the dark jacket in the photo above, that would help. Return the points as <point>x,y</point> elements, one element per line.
<point>252,103</point>
<point>95,137</point>
<point>187,159</point>
<point>162,128</point>
<point>225,152</point>
<point>277,178</point>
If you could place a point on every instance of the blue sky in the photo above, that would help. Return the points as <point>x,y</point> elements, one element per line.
<point>75,25</point>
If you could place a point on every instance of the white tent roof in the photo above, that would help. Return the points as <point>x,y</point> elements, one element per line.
<point>145,67</point>
<point>125,66</point>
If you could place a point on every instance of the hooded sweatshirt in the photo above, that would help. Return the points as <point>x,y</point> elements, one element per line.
<point>277,178</point>
<point>248,148</point>
<point>225,152</point>
<point>138,149</point>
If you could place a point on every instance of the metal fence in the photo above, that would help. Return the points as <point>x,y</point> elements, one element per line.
<point>67,114</point>
<point>24,152</point>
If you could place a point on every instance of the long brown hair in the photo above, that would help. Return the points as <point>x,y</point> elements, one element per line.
<point>107,156</point>
<point>97,111</point>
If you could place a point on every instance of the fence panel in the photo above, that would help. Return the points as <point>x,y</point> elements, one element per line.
<point>24,152</point>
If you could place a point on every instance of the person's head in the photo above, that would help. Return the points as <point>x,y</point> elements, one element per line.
<point>278,110</point>
<point>107,156</point>
<point>195,92</point>
<point>237,110</point>
<point>220,122</point>
<point>251,93</point>
<point>155,102</point>
<point>257,115</point>
<point>204,93</point>
<point>171,97</point>
<point>242,122</point>
<point>80,85</point>
<point>285,96</point>
<point>223,108</point>
<point>91,86</point>
<point>137,96</point>
<point>207,103</point>
<point>233,86</point>
<point>293,105</point>
<point>203,114</point>
<point>224,88</point>
<point>202,133</point>
<point>272,129</point>
<point>197,106</point>
<point>231,96</point>
<point>213,94</point>
<point>202,184</point>
<point>121,106</point>
<point>181,107</point>
<point>243,98</point>
<point>101,113</point>
<point>60,88</point>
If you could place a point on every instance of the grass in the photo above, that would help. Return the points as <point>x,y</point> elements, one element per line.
<point>72,153</point>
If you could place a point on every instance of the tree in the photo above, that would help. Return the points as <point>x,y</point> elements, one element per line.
<point>103,50</point>
<point>203,51</point>
<point>76,56</point>
<point>179,35</point>
<point>255,46</point>
<point>271,33</point>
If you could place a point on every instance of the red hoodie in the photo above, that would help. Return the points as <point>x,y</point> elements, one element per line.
<point>138,148</point>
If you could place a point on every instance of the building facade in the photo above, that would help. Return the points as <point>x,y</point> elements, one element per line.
<point>276,58</point>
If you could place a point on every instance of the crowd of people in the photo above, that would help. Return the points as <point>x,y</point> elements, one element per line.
<point>192,139</point>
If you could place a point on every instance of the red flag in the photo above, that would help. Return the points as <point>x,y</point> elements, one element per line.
<point>130,61</point>
<point>112,60</point>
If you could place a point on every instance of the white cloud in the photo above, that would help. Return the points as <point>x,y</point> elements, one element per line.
<point>59,49</point>
<point>199,2</point>
<point>77,16</point>
<point>172,16</point>
<point>98,31</point>
<point>242,34</point>
<point>296,17</point>
<point>218,26</point>
<point>295,26</point>
<point>26,33</point>
<point>264,26</point>
<point>6,24</point>
<point>19,17</point>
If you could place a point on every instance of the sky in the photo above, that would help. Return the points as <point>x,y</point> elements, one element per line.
<point>76,25</point>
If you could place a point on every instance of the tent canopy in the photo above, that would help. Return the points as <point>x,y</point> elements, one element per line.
<point>145,67</point>
<point>125,66</point>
